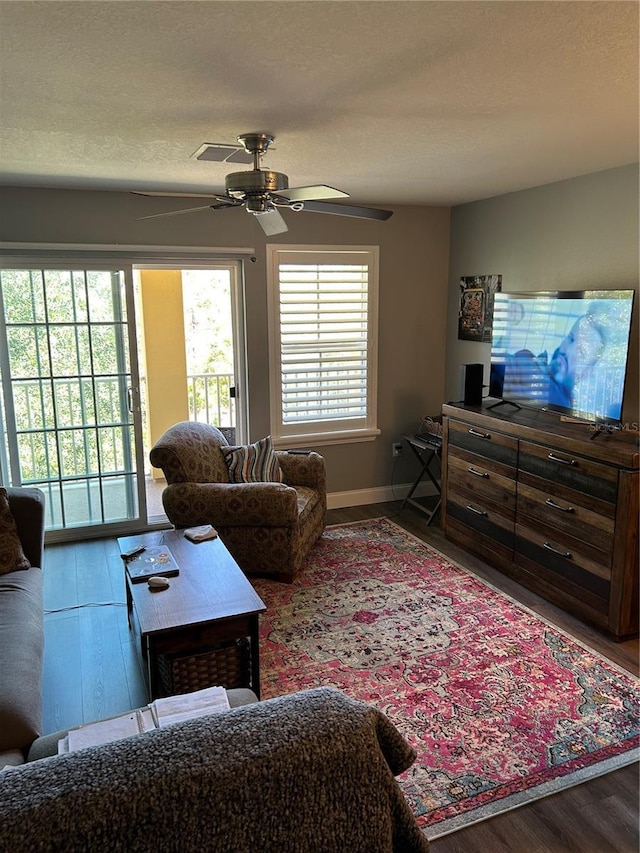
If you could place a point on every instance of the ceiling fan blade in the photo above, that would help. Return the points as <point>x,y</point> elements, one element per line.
<point>175,195</point>
<point>174,212</point>
<point>347,210</point>
<point>308,193</point>
<point>272,222</point>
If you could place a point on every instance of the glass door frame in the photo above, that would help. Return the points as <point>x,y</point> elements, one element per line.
<point>127,259</point>
<point>10,467</point>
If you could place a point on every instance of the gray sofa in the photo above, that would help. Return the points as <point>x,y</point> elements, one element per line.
<point>312,772</point>
<point>21,633</point>
<point>22,643</point>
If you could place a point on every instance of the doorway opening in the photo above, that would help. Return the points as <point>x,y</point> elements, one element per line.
<point>190,342</point>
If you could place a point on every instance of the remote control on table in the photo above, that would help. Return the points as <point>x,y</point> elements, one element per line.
<point>133,552</point>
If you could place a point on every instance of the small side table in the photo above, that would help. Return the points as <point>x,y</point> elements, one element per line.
<point>427,449</point>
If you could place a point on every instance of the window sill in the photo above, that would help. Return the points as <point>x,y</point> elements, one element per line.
<point>323,439</point>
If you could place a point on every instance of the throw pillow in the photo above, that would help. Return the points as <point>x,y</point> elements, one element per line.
<point>253,463</point>
<point>12,556</point>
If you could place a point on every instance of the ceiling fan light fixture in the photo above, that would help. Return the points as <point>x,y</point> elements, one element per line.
<point>258,204</point>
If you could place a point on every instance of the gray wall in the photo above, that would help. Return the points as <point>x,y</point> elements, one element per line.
<point>571,235</point>
<point>581,233</point>
<point>414,248</point>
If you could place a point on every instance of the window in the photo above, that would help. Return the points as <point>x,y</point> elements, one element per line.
<point>323,320</point>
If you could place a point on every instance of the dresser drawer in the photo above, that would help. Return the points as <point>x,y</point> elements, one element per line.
<point>479,481</point>
<point>465,439</point>
<point>481,516</point>
<point>558,560</point>
<point>598,482</point>
<point>480,544</point>
<point>565,515</point>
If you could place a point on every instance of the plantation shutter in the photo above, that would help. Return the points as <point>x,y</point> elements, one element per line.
<point>325,312</point>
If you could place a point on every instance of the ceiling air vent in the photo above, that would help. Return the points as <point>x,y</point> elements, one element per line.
<point>221,153</point>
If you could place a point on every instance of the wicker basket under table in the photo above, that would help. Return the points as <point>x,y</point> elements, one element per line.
<point>227,664</point>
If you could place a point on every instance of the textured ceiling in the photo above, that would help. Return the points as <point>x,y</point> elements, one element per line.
<point>393,102</point>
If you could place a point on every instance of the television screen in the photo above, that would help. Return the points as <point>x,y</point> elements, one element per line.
<point>565,351</point>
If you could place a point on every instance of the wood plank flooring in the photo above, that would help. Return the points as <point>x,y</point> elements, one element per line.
<point>91,670</point>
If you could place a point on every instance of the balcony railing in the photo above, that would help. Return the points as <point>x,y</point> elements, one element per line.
<point>211,399</point>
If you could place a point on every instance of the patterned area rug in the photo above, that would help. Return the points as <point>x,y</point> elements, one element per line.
<point>501,707</point>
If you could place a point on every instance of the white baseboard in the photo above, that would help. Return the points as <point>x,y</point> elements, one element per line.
<point>380,494</point>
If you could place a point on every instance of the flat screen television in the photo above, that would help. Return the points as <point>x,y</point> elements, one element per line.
<point>564,352</point>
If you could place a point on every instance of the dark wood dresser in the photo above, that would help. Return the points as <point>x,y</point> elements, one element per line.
<point>541,500</point>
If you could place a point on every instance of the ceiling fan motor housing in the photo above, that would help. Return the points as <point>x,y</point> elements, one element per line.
<point>255,182</point>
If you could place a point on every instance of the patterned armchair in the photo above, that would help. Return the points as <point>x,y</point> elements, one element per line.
<point>269,528</point>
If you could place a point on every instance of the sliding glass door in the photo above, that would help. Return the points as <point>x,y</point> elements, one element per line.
<point>70,409</point>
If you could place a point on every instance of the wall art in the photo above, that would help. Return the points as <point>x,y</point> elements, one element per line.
<point>475,314</point>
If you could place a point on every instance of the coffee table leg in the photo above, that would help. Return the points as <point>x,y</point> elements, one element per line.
<point>255,655</point>
<point>152,672</point>
<point>129,600</point>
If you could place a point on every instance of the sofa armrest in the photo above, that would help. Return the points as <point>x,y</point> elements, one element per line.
<point>21,651</point>
<point>303,469</point>
<point>252,778</point>
<point>27,508</point>
<point>231,504</point>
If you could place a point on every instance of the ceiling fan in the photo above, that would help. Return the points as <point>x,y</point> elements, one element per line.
<point>261,192</point>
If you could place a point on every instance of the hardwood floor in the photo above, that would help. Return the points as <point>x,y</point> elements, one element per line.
<point>91,670</point>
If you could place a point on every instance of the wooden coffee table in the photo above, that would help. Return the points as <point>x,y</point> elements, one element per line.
<point>203,629</point>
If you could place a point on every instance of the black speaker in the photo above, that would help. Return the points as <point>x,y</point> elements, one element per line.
<point>471,377</point>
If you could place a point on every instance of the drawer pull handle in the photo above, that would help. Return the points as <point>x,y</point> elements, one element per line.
<point>478,473</point>
<point>477,511</point>
<point>566,554</point>
<point>479,434</point>
<point>555,458</point>
<point>554,505</point>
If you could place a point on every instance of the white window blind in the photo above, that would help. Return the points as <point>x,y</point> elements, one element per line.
<point>323,340</point>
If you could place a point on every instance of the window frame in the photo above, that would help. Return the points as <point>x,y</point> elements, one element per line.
<point>347,430</point>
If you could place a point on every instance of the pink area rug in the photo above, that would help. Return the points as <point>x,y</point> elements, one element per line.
<point>501,707</point>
